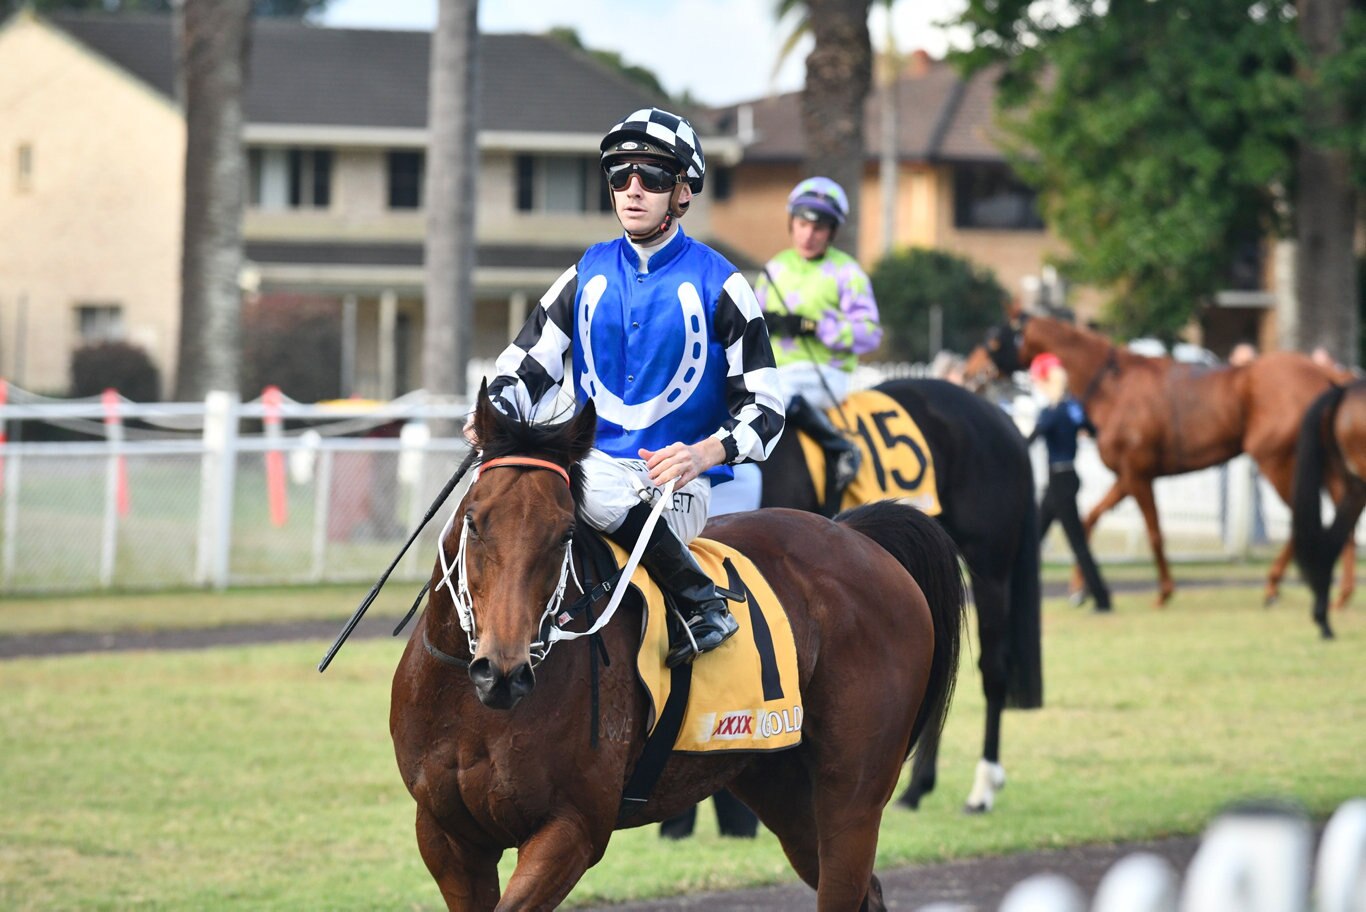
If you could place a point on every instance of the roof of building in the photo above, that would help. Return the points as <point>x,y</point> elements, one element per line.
<point>941,116</point>
<point>310,75</point>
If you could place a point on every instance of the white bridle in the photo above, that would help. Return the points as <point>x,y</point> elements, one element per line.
<point>540,648</point>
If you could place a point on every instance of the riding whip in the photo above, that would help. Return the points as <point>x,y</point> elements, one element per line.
<point>379,584</point>
<point>811,355</point>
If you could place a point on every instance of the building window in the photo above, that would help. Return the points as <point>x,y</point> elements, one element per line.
<point>290,178</point>
<point>405,179</point>
<point>99,323</point>
<point>23,173</point>
<point>561,184</point>
<point>992,197</point>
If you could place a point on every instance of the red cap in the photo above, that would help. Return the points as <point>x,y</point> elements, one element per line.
<point>1040,366</point>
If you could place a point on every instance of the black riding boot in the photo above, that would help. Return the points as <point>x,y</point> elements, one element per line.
<point>672,565</point>
<point>842,455</point>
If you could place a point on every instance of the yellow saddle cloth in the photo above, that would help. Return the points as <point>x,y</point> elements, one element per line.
<point>896,460</point>
<point>744,694</point>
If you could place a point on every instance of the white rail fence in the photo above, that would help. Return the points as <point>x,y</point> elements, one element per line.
<point>1255,859</point>
<point>224,493</point>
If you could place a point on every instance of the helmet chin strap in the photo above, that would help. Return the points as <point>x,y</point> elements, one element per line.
<point>676,210</point>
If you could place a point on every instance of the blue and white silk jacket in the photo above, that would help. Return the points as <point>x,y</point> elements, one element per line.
<point>677,353</point>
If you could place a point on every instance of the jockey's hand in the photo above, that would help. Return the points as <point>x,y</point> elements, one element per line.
<point>681,462</point>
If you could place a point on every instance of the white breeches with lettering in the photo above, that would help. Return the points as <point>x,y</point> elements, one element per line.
<point>612,486</point>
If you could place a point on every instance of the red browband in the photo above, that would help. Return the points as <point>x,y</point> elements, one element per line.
<point>526,462</point>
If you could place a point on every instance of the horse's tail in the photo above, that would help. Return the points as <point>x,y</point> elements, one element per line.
<point>922,546</point>
<point>1313,549</point>
<point>1024,687</point>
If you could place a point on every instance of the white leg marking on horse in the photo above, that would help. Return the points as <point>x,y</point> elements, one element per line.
<point>990,779</point>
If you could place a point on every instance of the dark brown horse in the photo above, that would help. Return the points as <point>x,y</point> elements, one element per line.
<point>986,487</point>
<point>1332,443</point>
<point>498,750</point>
<point>1158,417</point>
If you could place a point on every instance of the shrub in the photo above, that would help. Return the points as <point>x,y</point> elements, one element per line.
<point>909,282</point>
<point>293,343</point>
<point>121,365</point>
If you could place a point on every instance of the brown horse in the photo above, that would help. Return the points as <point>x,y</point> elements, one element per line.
<point>495,739</point>
<point>1332,442</point>
<point>1158,417</point>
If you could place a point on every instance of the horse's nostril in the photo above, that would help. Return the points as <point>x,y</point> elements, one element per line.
<point>481,673</point>
<point>522,680</point>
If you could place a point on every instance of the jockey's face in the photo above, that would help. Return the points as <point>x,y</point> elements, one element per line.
<point>641,211</point>
<point>811,239</point>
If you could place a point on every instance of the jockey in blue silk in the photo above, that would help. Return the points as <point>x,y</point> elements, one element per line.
<point>669,343</point>
<point>820,310</point>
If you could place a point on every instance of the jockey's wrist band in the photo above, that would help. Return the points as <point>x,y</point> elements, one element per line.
<point>732,449</point>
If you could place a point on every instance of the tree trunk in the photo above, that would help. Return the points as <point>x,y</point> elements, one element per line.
<point>838,73</point>
<point>1325,205</point>
<point>216,37</point>
<point>449,195</point>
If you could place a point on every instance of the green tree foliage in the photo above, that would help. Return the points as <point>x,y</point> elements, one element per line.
<point>909,282</point>
<point>1159,133</point>
<point>637,74</point>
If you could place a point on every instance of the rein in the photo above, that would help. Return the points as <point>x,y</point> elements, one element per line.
<point>1111,365</point>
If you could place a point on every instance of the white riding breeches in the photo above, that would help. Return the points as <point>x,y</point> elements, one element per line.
<point>611,487</point>
<point>805,378</point>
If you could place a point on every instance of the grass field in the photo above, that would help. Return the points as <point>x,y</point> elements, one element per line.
<point>240,778</point>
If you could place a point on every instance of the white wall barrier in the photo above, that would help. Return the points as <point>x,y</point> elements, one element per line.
<point>1250,859</point>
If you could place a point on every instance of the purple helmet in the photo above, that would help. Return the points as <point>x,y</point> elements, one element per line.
<point>818,198</point>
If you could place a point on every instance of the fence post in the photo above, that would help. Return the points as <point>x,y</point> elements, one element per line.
<point>115,487</point>
<point>1238,510</point>
<point>218,475</point>
<point>322,507</point>
<point>11,518</point>
<point>1254,859</point>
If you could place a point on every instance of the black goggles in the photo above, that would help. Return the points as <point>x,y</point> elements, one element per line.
<point>654,178</point>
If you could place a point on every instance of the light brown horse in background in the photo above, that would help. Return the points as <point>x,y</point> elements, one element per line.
<point>1158,417</point>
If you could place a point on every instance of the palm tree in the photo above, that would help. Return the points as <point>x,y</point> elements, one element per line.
<point>214,42</point>
<point>838,77</point>
<point>452,160</point>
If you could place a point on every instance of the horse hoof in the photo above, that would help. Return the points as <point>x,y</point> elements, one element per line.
<point>1077,599</point>
<point>1271,599</point>
<point>975,809</point>
<point>1326,633</point>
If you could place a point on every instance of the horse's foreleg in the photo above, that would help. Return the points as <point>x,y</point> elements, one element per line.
<point>467,877</point>
<point>848,842</point>
<point>549,864</point>
<point>1143,494</point>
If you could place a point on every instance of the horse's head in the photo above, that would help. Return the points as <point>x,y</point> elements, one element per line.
<point>999,351</point>
<point>511,538</point>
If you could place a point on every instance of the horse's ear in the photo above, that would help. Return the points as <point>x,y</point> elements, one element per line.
<point>486,415</point>
<point>582,431</point>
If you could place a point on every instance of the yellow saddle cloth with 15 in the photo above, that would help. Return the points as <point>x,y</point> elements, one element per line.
<point>744,694</point>
<point>896,459</point>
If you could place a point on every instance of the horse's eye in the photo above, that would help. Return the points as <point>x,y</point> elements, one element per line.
<point>469,524</point>
<point>567,537</point>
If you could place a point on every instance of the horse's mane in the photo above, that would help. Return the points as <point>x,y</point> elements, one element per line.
<point>564,443</point>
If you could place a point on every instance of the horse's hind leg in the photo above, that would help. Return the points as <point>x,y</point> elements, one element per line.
<point>467,877</point>
<point>1277,573</point>
<point>779,792</point>
<point>1349,575</point>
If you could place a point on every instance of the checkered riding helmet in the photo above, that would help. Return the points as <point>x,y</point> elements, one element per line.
<point>818,199</point>
<point>658,134</point>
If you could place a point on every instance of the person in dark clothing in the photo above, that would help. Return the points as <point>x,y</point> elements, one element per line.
<point>1058,425</point>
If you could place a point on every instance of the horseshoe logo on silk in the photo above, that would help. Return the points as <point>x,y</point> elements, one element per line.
<point>685,379</point>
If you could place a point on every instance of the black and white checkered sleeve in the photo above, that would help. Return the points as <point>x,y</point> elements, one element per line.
<point>753,396</point>
<point>530,371</point>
